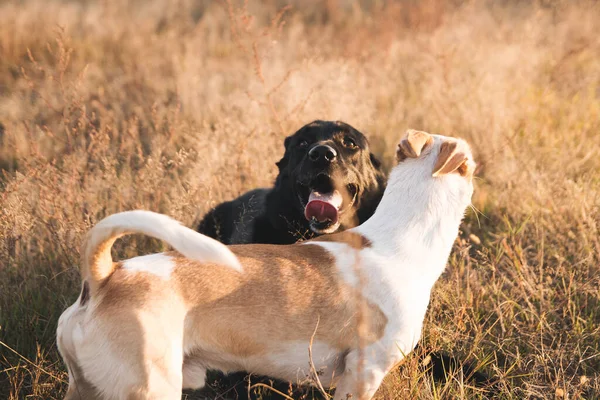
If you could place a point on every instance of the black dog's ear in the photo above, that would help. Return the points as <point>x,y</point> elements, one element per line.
<point>375,161</point>
<point>281,164</point>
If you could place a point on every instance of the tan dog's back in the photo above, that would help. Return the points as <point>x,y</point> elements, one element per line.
<point>303,288</point>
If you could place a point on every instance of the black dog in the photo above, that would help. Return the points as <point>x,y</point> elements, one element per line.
<point>328,181</point>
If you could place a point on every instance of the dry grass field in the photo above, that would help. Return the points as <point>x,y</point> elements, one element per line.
<point>174,106</point>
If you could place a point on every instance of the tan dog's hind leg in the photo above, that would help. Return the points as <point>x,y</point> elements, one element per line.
<point>194,375</point>
<point>143,359</point>
<point>162,383</point>
<point>162,359</point>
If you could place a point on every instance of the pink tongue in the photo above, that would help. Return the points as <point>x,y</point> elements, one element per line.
<point>323,206</point>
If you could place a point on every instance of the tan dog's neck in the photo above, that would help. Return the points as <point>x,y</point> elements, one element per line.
<point>412,220</point>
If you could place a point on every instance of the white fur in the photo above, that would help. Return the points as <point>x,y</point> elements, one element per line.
<point>409,253</point>
<point>188,242</point>
<point>159,264</point>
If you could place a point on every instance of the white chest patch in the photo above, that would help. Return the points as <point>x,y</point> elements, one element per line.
<point>159,264</point>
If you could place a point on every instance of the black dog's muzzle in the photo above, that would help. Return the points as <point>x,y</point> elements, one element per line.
<point>322,154</point>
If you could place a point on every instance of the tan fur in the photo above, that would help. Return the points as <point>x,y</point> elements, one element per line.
<point>452,157</point>
<point>352,239</point>
<point>96,260</point>
<point>127,289</point>
<point>286,288</point>
<point>413,144</point>
<point>299,283</point>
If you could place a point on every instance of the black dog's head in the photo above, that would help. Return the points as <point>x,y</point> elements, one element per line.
<point>333,178</point>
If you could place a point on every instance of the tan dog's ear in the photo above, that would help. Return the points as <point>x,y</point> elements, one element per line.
<point>413,144</point>
<point>453,156</point>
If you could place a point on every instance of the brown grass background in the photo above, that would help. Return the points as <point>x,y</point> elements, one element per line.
<point>174,106</point>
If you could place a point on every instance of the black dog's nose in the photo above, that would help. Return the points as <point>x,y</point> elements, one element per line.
<point>322,153</point>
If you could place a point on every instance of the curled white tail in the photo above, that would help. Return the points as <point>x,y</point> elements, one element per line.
<point>97,262</point>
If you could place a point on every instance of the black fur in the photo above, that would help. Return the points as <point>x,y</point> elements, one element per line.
<point>276,215</point>
<point>442,365</point>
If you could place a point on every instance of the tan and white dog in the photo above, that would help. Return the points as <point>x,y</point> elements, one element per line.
<point>149,326</point>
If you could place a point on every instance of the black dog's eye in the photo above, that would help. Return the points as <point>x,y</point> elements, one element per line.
<point>349,143</point>
<point>302,144</point>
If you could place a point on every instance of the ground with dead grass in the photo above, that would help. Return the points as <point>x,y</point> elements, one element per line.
<point>176,106</point>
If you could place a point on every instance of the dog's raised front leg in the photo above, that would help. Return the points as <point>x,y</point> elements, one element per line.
<point>363,374</point>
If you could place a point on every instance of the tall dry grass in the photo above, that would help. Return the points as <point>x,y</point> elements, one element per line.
<point>174,106</point>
